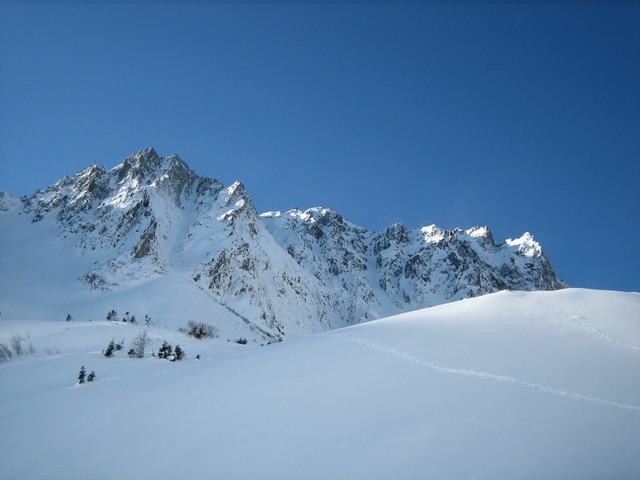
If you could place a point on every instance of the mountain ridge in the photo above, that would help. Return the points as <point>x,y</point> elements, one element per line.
<point>279,273</point>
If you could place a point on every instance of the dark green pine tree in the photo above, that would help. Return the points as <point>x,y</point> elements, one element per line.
<point>110,349</point>
<point>179,353</point>
<point>165,350</point>
<point>82,374</point>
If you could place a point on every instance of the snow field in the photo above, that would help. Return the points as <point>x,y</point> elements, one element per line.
<point>509,385</point>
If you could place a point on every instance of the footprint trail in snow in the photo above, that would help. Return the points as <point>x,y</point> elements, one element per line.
<point>577,320</point>
<point>466,372</point>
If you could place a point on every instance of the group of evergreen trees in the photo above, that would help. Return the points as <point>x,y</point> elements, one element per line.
<point>83,375</point>
<point>139,345</point>
<point>142,341</point>
<point>112,316</point>
<point>169,353</point>
<point>112,348</point>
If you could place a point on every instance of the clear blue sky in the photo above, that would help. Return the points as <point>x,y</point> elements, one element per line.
<point>522,116</point>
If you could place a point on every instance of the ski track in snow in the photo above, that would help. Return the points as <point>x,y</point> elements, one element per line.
<point>578,321</point>
<point>467,372</point>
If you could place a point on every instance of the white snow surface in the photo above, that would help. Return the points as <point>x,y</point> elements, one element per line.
<point>509,385</point>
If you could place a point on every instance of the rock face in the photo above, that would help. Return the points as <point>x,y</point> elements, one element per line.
<point>277,274</point>
<point>373,274</point>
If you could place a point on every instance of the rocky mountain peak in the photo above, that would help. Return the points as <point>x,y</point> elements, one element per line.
<point>239,203</point>
<point>526,245</point>
<point>398,233</point>
<point>434,234</point>
<point>146,169</point>
<point>140,166</point>
<point>147,159</point>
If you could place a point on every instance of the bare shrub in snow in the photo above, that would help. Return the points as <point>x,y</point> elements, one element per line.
<point>16,342</point>
<point>139,344</point>
<point>199,330</point>
<point>5,353</point>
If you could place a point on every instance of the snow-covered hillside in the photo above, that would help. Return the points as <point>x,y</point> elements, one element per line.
<point>152,237</point>
<point>509,385</point>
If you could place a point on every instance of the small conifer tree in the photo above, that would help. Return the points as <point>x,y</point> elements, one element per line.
<point>179,353</point>
<point>91,376</point>
<point>82,374</point>
<point>110,349</point>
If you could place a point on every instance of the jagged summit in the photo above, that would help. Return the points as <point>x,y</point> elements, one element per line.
<point>239,203</point>
<point>526,245</point>
<point>151,220</point>
<point>147,164</point>
<point>146,168</point>
<point>146,160</point>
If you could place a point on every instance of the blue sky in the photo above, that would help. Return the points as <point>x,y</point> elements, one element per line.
<point>522,116</point>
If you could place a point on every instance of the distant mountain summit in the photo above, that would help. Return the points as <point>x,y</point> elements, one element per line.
<point>151,223</point>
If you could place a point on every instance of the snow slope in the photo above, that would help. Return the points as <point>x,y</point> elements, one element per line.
<point>509,385</point>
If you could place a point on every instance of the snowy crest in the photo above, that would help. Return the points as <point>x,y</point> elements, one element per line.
<point>525,245</point>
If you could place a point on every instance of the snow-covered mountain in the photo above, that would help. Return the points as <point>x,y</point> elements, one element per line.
<point>511,385</point>
<point>151,236</point>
